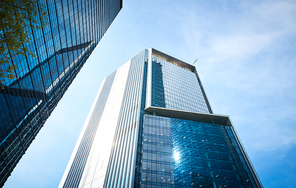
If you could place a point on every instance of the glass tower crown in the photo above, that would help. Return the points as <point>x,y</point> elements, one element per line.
<point>151,126</point>
<point>62,47</point>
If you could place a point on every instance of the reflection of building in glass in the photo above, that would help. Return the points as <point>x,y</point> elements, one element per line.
<point>62,47</point>
<point>151,126</point>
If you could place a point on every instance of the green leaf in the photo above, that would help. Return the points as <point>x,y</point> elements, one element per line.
<point>18,17</point>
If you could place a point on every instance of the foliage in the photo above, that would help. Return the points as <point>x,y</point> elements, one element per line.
<point>18,19</point>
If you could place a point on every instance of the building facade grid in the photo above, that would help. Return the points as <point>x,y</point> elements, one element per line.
<point>158,134</point>
<point>62,47</point>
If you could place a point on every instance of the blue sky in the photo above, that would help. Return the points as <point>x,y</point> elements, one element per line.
<point>246,54</point>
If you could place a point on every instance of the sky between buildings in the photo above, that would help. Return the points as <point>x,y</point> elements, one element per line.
<point>246,54</point>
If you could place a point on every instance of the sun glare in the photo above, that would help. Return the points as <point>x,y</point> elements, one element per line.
<point>176,156</point>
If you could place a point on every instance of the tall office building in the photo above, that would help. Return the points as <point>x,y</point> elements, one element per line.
<point>62,47</point>
<point>151,126</point>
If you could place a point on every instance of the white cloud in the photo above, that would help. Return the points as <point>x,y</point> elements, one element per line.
<point>257,28</point>
<point>245,54</point>
<point>267,134</point>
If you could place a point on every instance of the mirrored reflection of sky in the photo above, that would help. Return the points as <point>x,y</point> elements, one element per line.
<point>246,61</point>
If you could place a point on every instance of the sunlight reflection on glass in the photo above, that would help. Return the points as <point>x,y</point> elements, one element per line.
<point>176,156</point>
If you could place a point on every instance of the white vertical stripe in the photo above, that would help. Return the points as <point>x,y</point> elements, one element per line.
<point>97,162</point>
<point>149,79</point>
<point>80,137</point>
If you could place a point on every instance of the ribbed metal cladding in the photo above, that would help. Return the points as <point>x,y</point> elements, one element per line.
<point>123,157</point>
<point>119,155</point>
<point>77,167</point>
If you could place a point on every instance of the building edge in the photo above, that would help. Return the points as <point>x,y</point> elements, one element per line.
<point>80,137</point>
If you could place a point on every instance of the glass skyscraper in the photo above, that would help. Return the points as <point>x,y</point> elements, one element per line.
<point>151,126</point>
<point>62,47</point>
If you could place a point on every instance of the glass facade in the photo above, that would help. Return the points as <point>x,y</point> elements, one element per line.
<point>159,131</point>
<point>62,47</point>
<point>175,87</point>
<point>182,153</point>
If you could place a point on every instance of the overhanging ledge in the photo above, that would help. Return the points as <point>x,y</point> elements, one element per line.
<point>192,116</point>
<point>172,60</point>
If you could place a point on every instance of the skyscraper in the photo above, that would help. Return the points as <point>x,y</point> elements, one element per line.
<point>152,126</point>
<point>62,47</point>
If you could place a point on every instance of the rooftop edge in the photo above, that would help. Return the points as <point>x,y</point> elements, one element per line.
<point>172,60</point>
